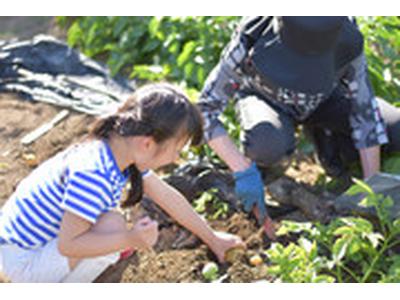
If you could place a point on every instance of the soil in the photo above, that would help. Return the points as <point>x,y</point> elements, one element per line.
<point>166,263</point>
<point>185,265</point>
<point>24,27</point>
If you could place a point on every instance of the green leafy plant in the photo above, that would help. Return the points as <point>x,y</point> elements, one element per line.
<point>297,262</point>
<point>180,49</point>
<point>349,249</point>
<point>382,44</point>
<point>391,163</point>
<point>210,205</point>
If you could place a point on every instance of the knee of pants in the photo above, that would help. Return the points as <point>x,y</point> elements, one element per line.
<point>90,268</point>
<point>267,145</point>
<point>110,222</point>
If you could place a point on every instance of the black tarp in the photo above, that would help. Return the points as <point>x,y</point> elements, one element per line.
<point>382,183</point>
<point>46,69</point>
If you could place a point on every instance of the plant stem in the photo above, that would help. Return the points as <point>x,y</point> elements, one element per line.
<point>393,244</point>
<point>351,273</point>
<point>339,274</point>
<point>375,260</point>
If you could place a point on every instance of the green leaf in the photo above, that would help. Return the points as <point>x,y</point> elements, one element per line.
<point>396,225</point>
<point>344,230</point>
<point>136,33</point>
<point>201,76</point>
<point>323,279</point>
<point>360,224</point>
<point>201,202</point>
<point>154,26</point>
<point>354,246</point>
<point>306,244</point>
<point>393,273</point>
<point>387,202</point>
<point>152,73</point>
<point>188,49</point>
<point>339,249</point>
<point>274,270</point>
<point>188,69</point>
<point>151,46</point>
<point>120,25</point>
<point>293,227</point>
<point>359,187</point>
<point>369,201</point>
<point>375,239</point>
<point>75,34</point>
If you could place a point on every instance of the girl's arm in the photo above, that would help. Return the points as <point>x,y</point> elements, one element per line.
<point>78,238</point>
<point>175,204</point>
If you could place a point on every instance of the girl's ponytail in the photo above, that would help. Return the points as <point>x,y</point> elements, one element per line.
<point>136,190</point>
<point>103,127</point>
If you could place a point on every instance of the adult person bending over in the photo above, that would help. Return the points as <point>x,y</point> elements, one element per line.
<point>285,71</point>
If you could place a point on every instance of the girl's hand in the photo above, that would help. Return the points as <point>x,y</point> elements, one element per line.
<point>223,242</point>
<point>144,233</point>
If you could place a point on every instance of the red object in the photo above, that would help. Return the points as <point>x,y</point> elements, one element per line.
<point>126,253</point>
<point>235,86</point>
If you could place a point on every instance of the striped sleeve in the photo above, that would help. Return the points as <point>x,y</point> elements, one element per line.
<point>88,194</point>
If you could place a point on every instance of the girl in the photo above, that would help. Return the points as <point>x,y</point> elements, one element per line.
<point>59,225</point>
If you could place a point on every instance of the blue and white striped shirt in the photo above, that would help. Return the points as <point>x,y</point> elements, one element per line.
<point>84,180</point>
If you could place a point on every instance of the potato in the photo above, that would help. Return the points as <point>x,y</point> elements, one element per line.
<point>256,260</point>
<point>30,159</point>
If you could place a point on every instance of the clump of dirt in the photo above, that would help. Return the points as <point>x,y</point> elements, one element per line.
<point>304,169</point>
<point>167,266</point>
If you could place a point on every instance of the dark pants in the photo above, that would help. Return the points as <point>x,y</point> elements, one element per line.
<point>269,133</point>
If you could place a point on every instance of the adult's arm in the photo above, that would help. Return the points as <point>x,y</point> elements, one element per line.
<point>368,126</point>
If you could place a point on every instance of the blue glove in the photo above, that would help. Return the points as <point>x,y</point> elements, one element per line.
<point>249,188</point>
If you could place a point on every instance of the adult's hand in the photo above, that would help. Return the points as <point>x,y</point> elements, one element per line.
<point>249,188</point>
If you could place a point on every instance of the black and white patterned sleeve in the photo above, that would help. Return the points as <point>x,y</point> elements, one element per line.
<point>221,85</point>
<point>368,127</point>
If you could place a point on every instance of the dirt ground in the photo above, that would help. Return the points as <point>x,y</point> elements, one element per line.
<point>26,27</point>
<point>165,264</point>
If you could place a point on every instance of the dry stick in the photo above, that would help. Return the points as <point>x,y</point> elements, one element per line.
<point>267,226</point>
<point>38,132</point>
